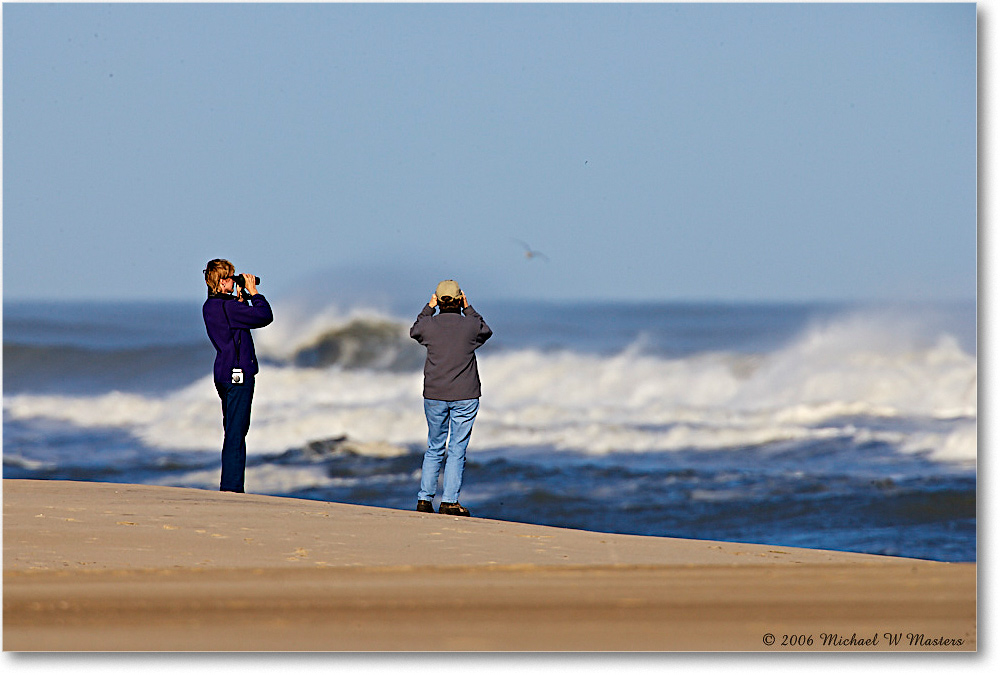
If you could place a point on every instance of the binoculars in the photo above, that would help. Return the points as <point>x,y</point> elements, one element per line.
<point>238,280</point>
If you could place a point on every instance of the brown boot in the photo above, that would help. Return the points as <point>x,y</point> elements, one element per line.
<point>453,509</point>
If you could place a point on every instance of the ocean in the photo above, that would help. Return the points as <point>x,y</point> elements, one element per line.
<point>833,426</point>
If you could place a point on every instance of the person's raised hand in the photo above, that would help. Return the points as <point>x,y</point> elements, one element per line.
<point>251,283</point>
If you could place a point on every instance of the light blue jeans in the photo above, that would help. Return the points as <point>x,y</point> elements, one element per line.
<point>442,416</point>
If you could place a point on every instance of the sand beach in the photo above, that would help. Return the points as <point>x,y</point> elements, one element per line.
<point>119,567</point>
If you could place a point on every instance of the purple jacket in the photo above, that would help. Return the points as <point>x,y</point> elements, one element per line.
<point>228,323</point>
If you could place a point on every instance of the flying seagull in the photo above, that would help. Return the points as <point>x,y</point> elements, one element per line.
<point>530,253</point>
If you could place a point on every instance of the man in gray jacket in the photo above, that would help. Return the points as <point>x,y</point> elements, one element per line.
<point>451,391</point>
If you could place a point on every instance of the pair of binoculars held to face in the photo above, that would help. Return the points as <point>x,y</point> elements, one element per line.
<point>239,281</point>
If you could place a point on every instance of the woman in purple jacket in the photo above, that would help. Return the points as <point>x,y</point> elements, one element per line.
<point>228,320</point>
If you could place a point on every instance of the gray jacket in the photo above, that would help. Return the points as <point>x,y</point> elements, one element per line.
<point>450,372</point>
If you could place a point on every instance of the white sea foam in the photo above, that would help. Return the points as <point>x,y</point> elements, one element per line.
<point>277,479</point>
<point>859,379</point>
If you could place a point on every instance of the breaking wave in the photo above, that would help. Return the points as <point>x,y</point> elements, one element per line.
<point>359,339</point>
<point>855,382</point>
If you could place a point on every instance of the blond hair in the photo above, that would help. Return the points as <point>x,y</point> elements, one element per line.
<point>216,271</point>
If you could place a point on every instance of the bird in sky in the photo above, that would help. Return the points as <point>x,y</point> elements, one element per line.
<point>531,254</point>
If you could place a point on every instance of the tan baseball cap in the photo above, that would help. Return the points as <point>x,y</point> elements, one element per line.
<point>448,289</point>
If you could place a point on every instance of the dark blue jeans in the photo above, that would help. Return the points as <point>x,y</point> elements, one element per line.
<point>236,401</point>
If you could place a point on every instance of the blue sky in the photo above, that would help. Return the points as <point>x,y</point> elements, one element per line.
<point>652,151</point>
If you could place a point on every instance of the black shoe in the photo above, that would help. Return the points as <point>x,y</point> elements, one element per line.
<point>453,509</point>
<point>424,506</point>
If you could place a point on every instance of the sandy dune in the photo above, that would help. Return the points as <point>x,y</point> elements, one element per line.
<point>107,567</point>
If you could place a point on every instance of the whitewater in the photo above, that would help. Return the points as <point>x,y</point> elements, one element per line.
<point>705,410</point>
